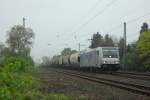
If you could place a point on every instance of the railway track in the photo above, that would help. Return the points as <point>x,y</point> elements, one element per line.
<point>136,88</point>
<point>134,73</point>
<point>140,76</point>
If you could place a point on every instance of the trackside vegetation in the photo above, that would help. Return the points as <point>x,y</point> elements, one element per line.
<point>138,53</point>
<point>18,80</point>
<point>143,48</point>
<point>16,66</point>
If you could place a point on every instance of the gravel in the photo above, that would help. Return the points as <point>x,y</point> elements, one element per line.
<point>54,82</point>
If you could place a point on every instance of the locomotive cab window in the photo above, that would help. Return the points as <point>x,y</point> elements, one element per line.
<point>110,53</point>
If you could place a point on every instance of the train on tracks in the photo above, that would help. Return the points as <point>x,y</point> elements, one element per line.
<point>100,58</point>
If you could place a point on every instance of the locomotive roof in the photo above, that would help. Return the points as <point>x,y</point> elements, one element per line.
<point>89,49</point>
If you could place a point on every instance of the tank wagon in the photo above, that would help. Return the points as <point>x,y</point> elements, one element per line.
<point>102,58</point>
<point>66,60</point>
<point>55,61</point>
<point>60,61</point>
<point>75,60</point>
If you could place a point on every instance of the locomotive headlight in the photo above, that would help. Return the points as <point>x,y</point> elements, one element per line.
<point>104,62</point>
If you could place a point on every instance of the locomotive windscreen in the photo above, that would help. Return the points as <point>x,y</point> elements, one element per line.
<point>110,52</point>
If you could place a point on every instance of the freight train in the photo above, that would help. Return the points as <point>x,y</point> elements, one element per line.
<point>101,58</point>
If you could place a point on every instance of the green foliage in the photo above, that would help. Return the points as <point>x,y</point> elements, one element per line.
<point>14,85</point>
<point>15,79</point>
<point>138,55</point>
<point>132,62</point>
<point>68,51</point>
<point>73,51</point>
<point>16,66</point>
<point>143,48</point>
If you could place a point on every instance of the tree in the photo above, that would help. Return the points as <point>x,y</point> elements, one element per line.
<point>67,51</point>
<point>132,61</point>
<point>97,40</point>
<point>20,39</point>
<point>1,49</point>
<point>108,41</point>
<point>143,48</point>
<point>73,51</point>
<point>45,60</point>
<point>144,28</point>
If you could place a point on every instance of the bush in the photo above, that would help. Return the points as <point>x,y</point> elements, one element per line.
<point>17,83</point>
<point>132,62</point>
<point>143,48</point>
<point>15,80</point>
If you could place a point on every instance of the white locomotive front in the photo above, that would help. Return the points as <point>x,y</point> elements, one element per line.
<point>106,58</point>
<point>110,58</point>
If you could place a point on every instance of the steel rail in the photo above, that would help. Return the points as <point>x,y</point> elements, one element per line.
<point>140,89</point>
<point>134,73</point>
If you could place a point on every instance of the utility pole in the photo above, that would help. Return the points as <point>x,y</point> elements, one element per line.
<point>24,32</point>
<point>24,22</point>
<point>79,48</point>
<point>90,41</point>
<point>124,45</point>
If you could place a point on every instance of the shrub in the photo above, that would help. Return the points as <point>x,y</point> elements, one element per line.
<point>132,62</point>
<point>15,80</point>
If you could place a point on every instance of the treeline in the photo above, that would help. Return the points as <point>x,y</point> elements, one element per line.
<point>99,40</point>
<point>68,51</point>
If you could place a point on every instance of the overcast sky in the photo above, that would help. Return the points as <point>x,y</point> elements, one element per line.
<point>65,23</point>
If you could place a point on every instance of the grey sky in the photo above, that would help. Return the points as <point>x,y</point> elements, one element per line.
<point>58,22</point>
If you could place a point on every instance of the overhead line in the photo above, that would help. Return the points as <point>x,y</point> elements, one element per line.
<point>130,21</point>
<point>118,26</point>
<point>89,12</point>
<point>100,12</point>
<point>108,5</point>
<point>133,20</point>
